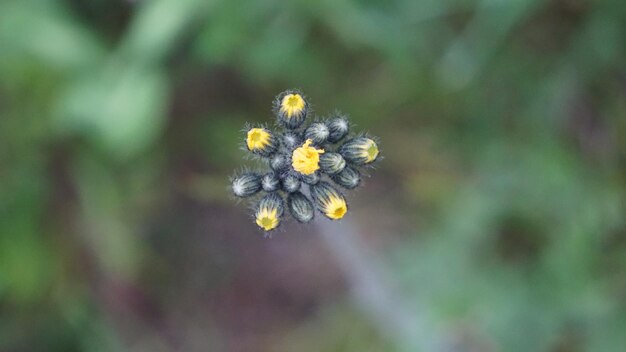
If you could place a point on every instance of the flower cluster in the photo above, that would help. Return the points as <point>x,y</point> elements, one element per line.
<point>301,155</point>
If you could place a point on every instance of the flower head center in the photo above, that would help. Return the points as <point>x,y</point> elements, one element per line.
<point>336,208</point>
<point>266,223</point>
<point>267,219</point>
<point>339,212</point>
<point>372,151</point>
<point>292,104</point>
<point>305,159</point>
<point>258,138</point>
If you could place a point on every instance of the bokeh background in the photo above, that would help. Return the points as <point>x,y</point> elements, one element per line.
<point>495,221</point>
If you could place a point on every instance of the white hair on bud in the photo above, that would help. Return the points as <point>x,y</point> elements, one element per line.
<point>342,124</point>
<point>291,139</point>
<point>239,187</point>
<point>270,183</point>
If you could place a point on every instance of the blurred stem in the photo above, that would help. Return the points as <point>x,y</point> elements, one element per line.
<point>408,324</point>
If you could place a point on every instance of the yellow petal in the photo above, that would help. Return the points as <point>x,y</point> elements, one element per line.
<point>267,219</point>
<point>336,207</point>
<point>292,104</point>
<point>258,138</point>
<point>305,159</point>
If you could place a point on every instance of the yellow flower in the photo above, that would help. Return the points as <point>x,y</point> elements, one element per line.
<point>258,139</point>
<point>359,150</point>
<point>370,151</point>
<point>305,159</point>
<point>335,207</point>
<point>329,201</point>
<point>269,211</point>
<point>292,104</point>
<point>291,109</point>
<point>267,218</point>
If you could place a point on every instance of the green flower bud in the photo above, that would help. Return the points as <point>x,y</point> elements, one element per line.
<point>359,150</point>
<point>300,207</point>
<point>329,201</point>
<point>311,179</point>
<point>279,162</point>
<point>246,184</point>
<point>317,132</point>
<point>338,128</point>
<point>292,140</point>
<point>332,163</point>
<point>348,178</point>
<point>269,211</point>
<point>270,182</point>
<point>291,184</point>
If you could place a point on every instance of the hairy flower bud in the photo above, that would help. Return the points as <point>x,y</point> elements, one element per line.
<point>311,179</point>
<point>329,201</point>
<point>359,150</point>
<point>246,184</point>
<point>348,178</point>
<point>261,141</point>
<point>268,211</point>
<point>270,182</point>
<point>291,140</point>
<point>317,132</point>
<point>332,163</point>
<point>291,109</point>
<point>338,128</point>
<point>279,162</point>
<point>291,183</point>
<point>300,207</point>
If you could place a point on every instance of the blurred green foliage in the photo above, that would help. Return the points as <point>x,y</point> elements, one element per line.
<point>503,126</point>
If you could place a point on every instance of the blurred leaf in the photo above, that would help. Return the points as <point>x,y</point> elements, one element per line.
<point>158,26</point>
<point>47,33</point>
<point>123,110</point>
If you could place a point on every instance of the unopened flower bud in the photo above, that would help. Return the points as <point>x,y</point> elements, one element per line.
<point>317,132</point>
<point>338,128</point>
<point>359,150</point>
<point>270,182</point>
<point>246,184</point>
<point>300,207</point>
<point>329,201</point>
<point>291,140</point>
<point>291,109</point>
<point>348,178</point>
<point>279,162</point>
<point>311,179</point>
<point>332,163</point>
<point>291,183</point>
<point>268,211</point>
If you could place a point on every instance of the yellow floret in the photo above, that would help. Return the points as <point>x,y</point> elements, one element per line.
<point>258,138</point>
<point>369,151</point>
<point>292,104</point>
<point>305,159</point>
<point>335,207</point>
<point>267,219</point>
